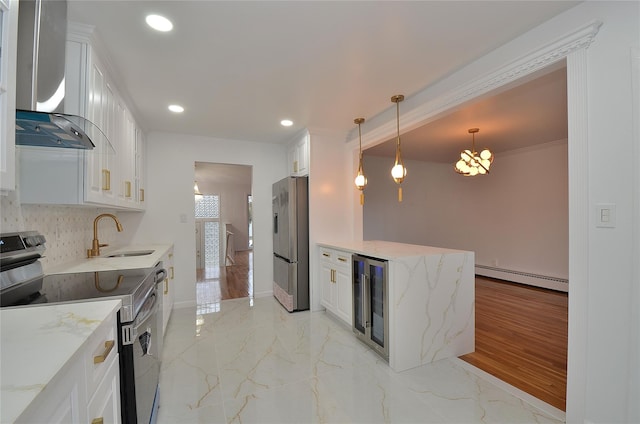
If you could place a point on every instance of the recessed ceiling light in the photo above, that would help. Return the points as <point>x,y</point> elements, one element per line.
<point>159,23</point>
<point>286,122</point>
<point>176,108</point>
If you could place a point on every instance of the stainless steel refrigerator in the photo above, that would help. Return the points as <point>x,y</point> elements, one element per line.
<point>291,243</point>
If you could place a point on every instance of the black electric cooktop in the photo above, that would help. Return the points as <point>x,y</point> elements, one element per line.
<point>131,286</point>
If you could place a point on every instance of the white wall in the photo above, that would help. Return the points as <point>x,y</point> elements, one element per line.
<point>514,218</point>
<point>170,175</point>
<point>330,200</point>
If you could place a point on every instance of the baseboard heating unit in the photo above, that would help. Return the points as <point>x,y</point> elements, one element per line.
<point>544,281</point>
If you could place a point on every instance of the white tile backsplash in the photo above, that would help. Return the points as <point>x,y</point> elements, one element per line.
<point>68,229</point>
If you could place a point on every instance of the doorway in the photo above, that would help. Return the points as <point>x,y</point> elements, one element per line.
<point>485,215</point>
<point>224,233</point>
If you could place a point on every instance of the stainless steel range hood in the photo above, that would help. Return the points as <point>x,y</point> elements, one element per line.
<point>44,129</point>
<point>40,81</point>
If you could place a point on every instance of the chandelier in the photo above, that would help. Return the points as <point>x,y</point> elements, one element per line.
<point>471,163</point>
<point>398,172</point>
<point>361,180</point>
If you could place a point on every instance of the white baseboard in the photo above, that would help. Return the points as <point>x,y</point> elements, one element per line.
<point>553,283</point>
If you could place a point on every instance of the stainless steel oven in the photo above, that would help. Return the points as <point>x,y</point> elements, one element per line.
<point>139,339</point>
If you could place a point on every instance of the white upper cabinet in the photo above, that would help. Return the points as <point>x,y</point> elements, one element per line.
<point>298,156</point>
<point>108,174</point>
<point>140,168</point>
<point>8,49</point>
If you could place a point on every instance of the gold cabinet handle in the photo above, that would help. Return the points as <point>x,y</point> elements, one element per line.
<point>142,195</point>
<point>172,275</point>
<point>166,286</point>
<point>342,259</point>
<point>106,179</point>
<point>127,189</point>
<point>108,345</point>
<point>326,255</point>
<point>295,166</point>
<point>97,421</point>
<point>333,275</point>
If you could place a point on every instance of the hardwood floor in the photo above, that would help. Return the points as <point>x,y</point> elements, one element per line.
<point>231,282</point>
<point>521,338</point>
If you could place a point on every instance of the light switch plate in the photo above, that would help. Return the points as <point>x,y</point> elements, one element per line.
<point>605,215</point>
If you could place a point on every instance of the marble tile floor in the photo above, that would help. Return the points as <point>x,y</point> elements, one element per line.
<point>250,361</point>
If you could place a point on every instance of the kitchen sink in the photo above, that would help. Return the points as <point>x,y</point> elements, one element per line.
<point>130,253</point>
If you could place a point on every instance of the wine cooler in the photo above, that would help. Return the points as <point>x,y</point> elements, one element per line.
<point>370,303</point>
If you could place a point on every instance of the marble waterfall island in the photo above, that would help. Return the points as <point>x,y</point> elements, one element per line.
<point>431,300</point>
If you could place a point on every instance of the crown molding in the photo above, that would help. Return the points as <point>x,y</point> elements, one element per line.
<point>547,55</point>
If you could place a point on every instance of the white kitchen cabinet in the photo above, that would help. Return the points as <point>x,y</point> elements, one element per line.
<point>335,277</point>
<point>64,403</point>
<point>106,175</point>
<point>87,389</point>
<point>140,169</point>
<point>105,403</point>
<point>89,94</point>
<point>8,49</point>
<point>126,159</point>
<point>344,290</point>
<point>329,291</point>
<point>298,156</point>
<point>167,288</point>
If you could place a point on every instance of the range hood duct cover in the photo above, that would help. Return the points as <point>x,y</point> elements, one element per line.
<point>40,80</point>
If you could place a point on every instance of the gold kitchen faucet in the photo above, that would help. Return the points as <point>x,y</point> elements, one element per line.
<point>95,247</point>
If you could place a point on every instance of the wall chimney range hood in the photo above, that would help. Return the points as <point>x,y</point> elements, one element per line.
<point>40,82</point>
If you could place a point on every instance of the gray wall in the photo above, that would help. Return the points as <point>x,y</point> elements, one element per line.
<point>515,218</point>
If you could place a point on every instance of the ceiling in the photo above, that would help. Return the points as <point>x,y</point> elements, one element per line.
<point>530,113</point>
<point>239,67</point>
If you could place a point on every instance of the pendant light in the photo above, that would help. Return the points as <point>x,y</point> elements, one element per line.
<point>398,172</point>
<point>361,180</point>
<point>471,163</point>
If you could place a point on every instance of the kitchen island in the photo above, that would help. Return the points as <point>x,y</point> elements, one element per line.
<point>42,359</point>
<point>431,294</point>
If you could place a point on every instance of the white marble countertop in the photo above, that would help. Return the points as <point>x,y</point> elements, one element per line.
<point>104,263</point>
<point>37,343</point>
<point>387,249</point>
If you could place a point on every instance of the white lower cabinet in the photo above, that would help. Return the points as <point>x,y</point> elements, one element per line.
<point>87,389</point>
<point>63,402</point>
<point>335,277</point>
<point>104,407</point>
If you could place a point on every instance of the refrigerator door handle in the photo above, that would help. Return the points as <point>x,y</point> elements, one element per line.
<point>275,223</point>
